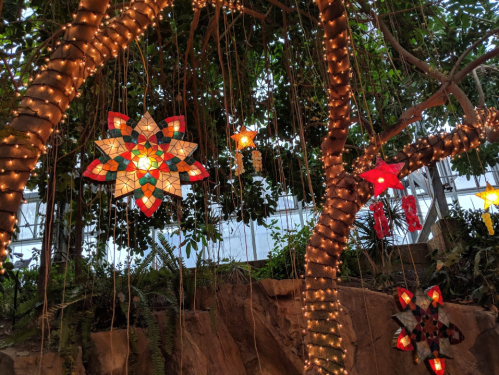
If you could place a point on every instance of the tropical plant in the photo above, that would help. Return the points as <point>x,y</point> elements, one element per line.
<point>469,273</point>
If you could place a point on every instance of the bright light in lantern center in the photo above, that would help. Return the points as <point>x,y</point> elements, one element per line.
<point>492,196</point>
<point>244,140</point>
<point>144,163</point>
<point>381,180</point>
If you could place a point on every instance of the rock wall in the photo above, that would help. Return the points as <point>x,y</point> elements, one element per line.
<point>258,329</point>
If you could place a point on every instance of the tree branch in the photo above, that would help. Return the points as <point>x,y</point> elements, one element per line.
<point>469,49</point>
<point>364,123</point>
<point>380,25</point>
<point>437,147</point>
<point>481,96</point>
<point>475,64</point>
<point>410,116</point>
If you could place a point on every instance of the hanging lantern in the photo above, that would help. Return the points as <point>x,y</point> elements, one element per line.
<point>256,158</point>
<point>488,222</point>
<point>239,164</point>
<point>490,196</point>
<point>244,138</point>
<point>426,326</point>
<point>411,217</point>
<point>380,221</point>
<point>384,176</point>
<point>437,365</point>
<point>146,159</point>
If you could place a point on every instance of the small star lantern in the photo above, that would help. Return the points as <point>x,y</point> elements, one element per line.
<point>384,176</point>
<point>490,196</point>
<point>244,138</point>
<point>146,159</point>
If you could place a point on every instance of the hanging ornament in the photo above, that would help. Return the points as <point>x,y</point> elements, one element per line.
<point>239,164</point>
<point>490,196</point>
<point>244,138</point>
<point>411,216</point>
<point>488,222</point>
<point>426,327</point>
<point>146,159</point>
<point>438,365</point>
<point>256,157</point>
<point>380,221</point>
<point>383,176</point>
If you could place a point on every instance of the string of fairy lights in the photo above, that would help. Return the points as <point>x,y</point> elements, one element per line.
<point>84,48</point>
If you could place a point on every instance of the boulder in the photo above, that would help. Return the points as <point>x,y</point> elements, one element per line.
<point>15,362</point>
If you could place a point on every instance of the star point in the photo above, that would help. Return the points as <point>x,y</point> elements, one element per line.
<point>490,196</point>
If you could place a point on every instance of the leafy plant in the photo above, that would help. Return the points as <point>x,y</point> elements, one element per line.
<point>469,273</point>
<point>287,259</point>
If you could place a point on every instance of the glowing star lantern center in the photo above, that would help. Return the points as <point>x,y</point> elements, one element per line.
<point>144,163</point>
<point>146,159</point>
<point>244,138</point>
<point>384,176</point>
<point>490,196</point>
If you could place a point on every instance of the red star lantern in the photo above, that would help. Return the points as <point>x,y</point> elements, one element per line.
<point>384,176</point>
<point>244,138</point>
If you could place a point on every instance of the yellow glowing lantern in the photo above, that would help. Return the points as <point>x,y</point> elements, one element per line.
<point>244,138</point>
<point>490,196</point>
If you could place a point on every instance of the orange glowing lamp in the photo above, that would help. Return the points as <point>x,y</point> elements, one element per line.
<point>490,196</point>
<point>244,138</point>
<point>384,176</point>
<point>438,365</point>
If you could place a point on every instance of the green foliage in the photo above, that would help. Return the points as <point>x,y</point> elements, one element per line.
<point>470,271</point>
<point>475,162</point>
<point>287,259</point>
<point>379,252</point>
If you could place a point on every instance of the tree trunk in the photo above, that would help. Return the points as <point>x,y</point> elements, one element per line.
<point>344,198</point>
<point>53,89</point>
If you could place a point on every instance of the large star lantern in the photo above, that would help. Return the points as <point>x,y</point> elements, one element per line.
<point>146,159</point>
<point>490,196</point>
<point>383,176</point>
<point>244,138</point>
<point>426,327</point>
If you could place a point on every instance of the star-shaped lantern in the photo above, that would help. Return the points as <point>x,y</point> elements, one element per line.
<point>383,176</point>
<point>490,196</point>
<point>146,159</point>
<point>426,327</point>
<point>244,138</point>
